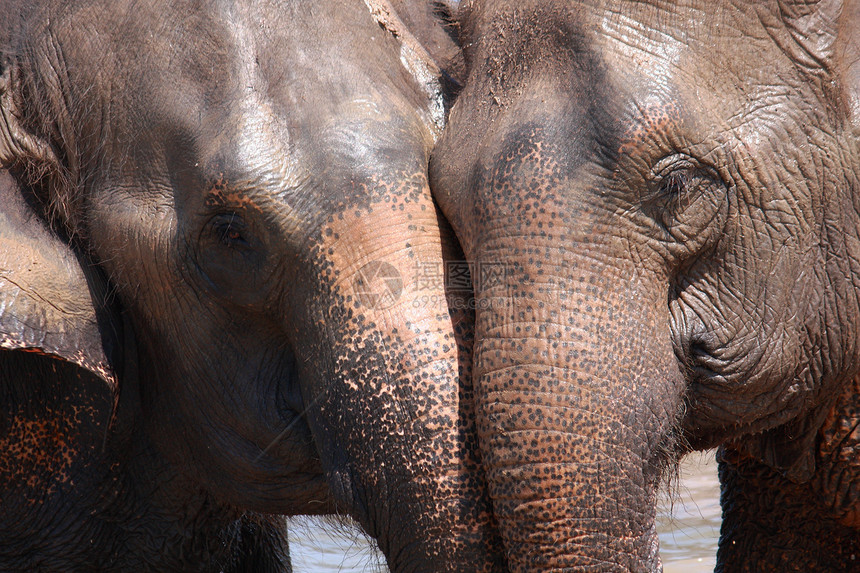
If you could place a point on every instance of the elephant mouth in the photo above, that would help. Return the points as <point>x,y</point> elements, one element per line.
<point>712,387</point>
<point>707,372</point>
<point>697,353</point>
<point>294,430</point>
<point>724,397</point>
<point>292,411</point>
<point>286,437</point>
<point>701,355</point>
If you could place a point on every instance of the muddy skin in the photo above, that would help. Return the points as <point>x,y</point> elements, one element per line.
<point>240,187</point>
<point>671,190</point>
<point>80,495</point>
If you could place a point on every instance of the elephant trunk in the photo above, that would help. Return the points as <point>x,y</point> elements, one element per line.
<point>391,410</point>
<point>578,396</point>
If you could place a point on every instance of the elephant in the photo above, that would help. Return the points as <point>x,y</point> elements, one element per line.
<point>82,487</point>
<point>660,204</point>
<point>249,180</point>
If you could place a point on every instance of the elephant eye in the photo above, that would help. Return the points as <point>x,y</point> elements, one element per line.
<point>230,230</point>
<point>232,258</point>
<point>673,177</point>
<point>676,182</point>
<point>686,199</point>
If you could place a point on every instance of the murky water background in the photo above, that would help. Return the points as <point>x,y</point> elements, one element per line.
<point>688,524</point>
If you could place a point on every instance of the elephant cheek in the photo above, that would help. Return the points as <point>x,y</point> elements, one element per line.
<point>578,398</point>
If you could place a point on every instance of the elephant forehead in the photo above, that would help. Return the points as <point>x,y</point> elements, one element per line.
<point>708,64</point>
<point>720,62</point>
<point>160,62</point>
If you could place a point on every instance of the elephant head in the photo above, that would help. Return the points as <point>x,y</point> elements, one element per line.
<point>660,203</point>
<point>251,179</point>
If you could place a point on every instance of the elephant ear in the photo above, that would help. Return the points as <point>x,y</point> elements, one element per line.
<point>32,140</point>
<point>848,59</point>
<point>433,24</point>
<point>428,52</point>
<point>813,27</point>
<point>824,39</point>
<point>46,293</point>
<point>58,387</point>
<point>52,302</point>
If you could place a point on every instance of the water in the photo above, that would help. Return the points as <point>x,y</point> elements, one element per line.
<point>689,522</point>
<point>319,545</point>
<point>688,525</point>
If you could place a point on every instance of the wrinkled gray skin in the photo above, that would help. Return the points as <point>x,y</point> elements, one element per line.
<point>672,188</point>
<point>251,179</point>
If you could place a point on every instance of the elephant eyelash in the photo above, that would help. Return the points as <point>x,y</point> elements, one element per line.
<point>676,183</point>
<point>229,229</point>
